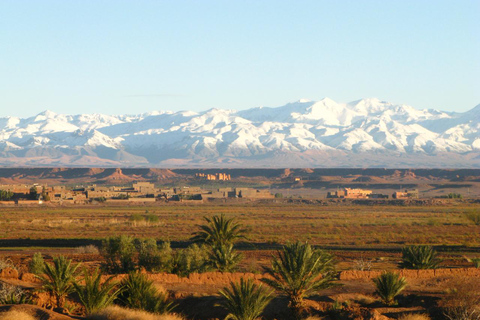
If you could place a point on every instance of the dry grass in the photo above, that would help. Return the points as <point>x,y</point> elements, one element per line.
<point>118,313</point>
<point>414,316</point>
<point>352,225</point>
<point>16,315</point>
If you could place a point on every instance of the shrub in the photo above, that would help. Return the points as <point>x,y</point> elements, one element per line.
<point>37,263</point>
<point>119,253</point>
<point>462,300</point>
<point>138,292</point>
<point>119,313</point>
<point>90,249</point>
<point>388,286</point>
<point>419,257</point>
<point>152,258</point>
<point>189,260</point>
<point>10,294</point>
<point>151,218</point>
<point>298,270</point>
<point>6,195</point>
<point>57,279</point>
<point>476,262</point>
<point>245,300</point>
<point>278,195</point>
<point>95,295</point>
<point>474,217</point>
<point>6,263</point>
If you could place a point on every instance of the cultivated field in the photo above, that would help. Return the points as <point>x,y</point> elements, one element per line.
<point>361,237</point>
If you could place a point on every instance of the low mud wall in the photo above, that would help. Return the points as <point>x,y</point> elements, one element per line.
<point>204,278</point>
<point>413,274</point>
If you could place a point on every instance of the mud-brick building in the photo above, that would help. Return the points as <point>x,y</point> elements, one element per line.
<point>144,188</point>
<point>407,194</point>
<point>348,193</point>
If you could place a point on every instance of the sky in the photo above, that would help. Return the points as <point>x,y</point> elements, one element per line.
<point>131,57</point>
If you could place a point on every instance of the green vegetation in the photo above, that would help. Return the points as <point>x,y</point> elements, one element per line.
<point>388,286</point>
<point>474,217</point>
<point>58,278</point>
<point>189,260</point>
<point>220,234</point>
<point>245,300</point>
<point>419,257</point>
<point>138,292</point>
<point>224,258</point>
<point>95,295</point>
<point>153,258</point>
<point>37,264</point>
<point>219,231</point>
<point>298,270</point>
<point>6,195</point>
<point>119,253</point>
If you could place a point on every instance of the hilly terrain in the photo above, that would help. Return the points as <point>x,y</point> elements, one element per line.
<point>363,133</point>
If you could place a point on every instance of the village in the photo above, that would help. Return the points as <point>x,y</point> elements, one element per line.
<point>143,192</point>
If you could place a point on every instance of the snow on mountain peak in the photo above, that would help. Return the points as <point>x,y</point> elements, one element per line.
<point>358,127</point>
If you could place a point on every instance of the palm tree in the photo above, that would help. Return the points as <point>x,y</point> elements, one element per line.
<point>245,300</point>
<point>219,231</point>
<point>96,295</point>
<point>224,258</point>
<point>419,257</point>
<point>299,271</point>
<point>389,285</point>
<point>58,278</point>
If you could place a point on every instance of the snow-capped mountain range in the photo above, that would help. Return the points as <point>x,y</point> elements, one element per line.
<point>363,133</point>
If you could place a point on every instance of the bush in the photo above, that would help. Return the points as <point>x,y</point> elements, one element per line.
<point>6,263</point>
<point>6,195</point>
<point>37,263</point>
<point>10,294</point>
<point>474,217</point>
<point>462,300</point>
<point>119,253</point>
<point>419,257</point>
<point>388,286</point>
<point>278,195</point>
<point>151,218</point>
<point>189,260</point>
<point>476,262</point>
<point>138,292</point>
<point>152,258</point>
<point>245,300</point>
<point>90,249</point>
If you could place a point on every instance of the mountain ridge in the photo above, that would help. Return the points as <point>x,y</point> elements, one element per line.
<point>362,133</point>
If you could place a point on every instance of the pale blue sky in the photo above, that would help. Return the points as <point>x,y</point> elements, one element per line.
<point>118,57</point>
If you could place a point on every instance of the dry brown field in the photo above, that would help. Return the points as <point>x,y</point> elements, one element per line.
<point>354,233</point>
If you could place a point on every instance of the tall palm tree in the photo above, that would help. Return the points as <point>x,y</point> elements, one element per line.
<point>219,231</point>
<point>96,295</point>
<point>245,300</point>
<point>299,271</point>
<point>58,278</point>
